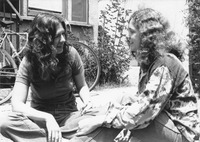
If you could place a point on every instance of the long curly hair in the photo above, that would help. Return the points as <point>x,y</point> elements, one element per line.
<point>41,52</point>
<point>156,38</point>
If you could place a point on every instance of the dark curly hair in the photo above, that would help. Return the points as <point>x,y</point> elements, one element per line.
<point>40,51</point>
<point>156,38</point>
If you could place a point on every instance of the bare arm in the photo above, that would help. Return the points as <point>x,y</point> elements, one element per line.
<point>19,98</point>
<point>82,87</point>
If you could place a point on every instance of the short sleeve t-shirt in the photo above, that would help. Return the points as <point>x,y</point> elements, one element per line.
<point>54,90</point>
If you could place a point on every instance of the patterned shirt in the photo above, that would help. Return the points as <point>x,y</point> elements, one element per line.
<point>155,98</point>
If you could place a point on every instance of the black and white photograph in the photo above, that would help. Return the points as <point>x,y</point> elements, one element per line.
<point>99,70</point>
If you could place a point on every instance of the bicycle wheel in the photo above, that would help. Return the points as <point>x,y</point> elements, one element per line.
<point>8,70</point>
<point>91,63</point>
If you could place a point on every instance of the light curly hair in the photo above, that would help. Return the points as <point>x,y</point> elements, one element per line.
<point>155,34</point>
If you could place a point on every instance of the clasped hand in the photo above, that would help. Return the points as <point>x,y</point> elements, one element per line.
<point>87,106</point>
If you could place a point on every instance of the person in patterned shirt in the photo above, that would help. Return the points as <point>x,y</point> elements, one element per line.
<point>165,106</point>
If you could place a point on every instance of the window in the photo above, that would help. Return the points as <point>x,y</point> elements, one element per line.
<point>79,10</point>
<point>76,11</point>
<point>5,7</point>
<point>35,6</point>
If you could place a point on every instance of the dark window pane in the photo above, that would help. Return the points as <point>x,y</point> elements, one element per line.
<point>7,7</point>
<point>79,10</point>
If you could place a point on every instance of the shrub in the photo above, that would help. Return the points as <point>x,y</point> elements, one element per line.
<point>112,49</point>
<point>193,22</point>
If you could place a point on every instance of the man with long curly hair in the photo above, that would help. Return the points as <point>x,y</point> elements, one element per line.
<point>165,106</point>
<point>48,69</point>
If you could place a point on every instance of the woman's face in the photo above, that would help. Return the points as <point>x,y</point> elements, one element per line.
<point>134,37</point>
<point>59,39</point>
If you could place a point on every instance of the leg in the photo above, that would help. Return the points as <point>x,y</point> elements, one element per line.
<point>69,126</point>
<point>162,129</point>
<point>19,128</point>
<point>101,134</point>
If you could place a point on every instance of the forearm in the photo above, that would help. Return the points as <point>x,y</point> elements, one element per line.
<point>30,112</point>
<point>85,94</point>
<point>147,105</point>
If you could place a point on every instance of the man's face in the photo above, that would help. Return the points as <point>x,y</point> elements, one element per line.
<point>134,37</point>
<point>59,39</point>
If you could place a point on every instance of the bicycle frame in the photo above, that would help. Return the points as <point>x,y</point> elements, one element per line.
<point>6,33</point>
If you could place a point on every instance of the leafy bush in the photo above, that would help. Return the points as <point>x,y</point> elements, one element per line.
<point>193,22</point>
<point>114,60</point>
<point>112,49</point>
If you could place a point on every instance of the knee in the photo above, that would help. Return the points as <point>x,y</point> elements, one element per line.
<point>4,123</point>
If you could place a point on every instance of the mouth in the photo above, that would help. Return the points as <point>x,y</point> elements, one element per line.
<point>59,46</point>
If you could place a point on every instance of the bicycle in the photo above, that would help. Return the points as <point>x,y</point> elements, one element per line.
<point>9,63</point>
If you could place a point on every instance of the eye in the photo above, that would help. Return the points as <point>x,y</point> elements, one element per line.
<point>133,53</point>
<point>58,36</point>
<point>128,40</point>
<point>131,31</point>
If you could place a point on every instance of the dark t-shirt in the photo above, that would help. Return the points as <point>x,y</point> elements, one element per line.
<point>56,90</point>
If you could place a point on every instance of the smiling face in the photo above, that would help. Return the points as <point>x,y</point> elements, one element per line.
<point>134,37</point>
<point>59,39</point>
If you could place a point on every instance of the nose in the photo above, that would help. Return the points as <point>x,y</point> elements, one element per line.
<point>62,39</point>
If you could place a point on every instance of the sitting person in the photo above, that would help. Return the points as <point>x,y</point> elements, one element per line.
<point>48,68</point>
<point>165,106</point>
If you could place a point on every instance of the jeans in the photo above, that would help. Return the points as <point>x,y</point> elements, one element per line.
<point>20,128</point>
<point>161,129</point>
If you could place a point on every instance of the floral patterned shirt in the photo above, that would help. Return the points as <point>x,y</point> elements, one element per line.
<point>155,98</point>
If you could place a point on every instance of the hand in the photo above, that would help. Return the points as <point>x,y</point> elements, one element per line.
<point>123,136</point>
<point>88,125</point>
<point>88,106</point>
<point>54,132</point>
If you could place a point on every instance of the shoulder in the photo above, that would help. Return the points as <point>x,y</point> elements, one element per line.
<point>168,60</point>
<point>25,62</point>
<point>72,50</point>
<point>171,62</point>
<point>73,53</point>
